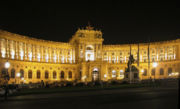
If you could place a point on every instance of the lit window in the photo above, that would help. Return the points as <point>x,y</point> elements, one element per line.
<point>3,54</point>
<point>113,73</point>
<point>55,58</point>
<point>39,57</point>
<point>47,58</point>
<point>21,55</point>
<point>30,56</point>
<point>12,54</point>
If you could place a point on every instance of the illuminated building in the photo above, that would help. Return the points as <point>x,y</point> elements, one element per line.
<point>84,58</point>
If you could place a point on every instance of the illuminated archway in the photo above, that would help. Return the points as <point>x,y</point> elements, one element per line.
<point>95,74</point>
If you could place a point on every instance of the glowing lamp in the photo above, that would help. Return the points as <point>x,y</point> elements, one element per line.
<point>105,76</point>
<point>18,74</point>
<point>7,65</point>
<point>142,70</point>
<point>155,64</point>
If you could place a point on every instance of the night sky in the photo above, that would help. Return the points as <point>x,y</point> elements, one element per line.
<point>120,22</point>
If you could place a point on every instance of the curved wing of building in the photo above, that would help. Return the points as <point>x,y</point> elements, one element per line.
<point>84,58</point>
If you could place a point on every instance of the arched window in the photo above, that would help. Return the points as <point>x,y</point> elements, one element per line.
<point>169,71</point>
<point>38,74</point>
<point>70,74</point>
<point>145,72</point>
<point>153,71</point>
<point>13,73</point>
<point>62,74</point>
<point>46,74</point>
<point>89,48</point>
<point>161,71</point>
<point>30,74</point>
<point>21,73</point>
<point>54,74</point>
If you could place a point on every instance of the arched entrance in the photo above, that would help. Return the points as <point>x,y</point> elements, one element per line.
<point>95,74</point>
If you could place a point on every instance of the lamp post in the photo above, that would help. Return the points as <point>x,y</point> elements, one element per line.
<point>155,64</point>
<point>105,76</point>
<point>7,65</point>
<point>142,71</point>
<point>18,75</point>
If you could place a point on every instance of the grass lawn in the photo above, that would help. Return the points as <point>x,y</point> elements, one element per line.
<point>78,88</point>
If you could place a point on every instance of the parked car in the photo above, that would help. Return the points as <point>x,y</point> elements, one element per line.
<point>12,89</point>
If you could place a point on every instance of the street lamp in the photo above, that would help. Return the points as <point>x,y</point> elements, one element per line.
<point>142,71</point>
<point>7,65</point>
<point>155,64</point>
<point>18,75</point>
<point>105,76</point>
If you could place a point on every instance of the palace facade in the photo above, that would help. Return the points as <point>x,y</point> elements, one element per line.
<point>84,58</point>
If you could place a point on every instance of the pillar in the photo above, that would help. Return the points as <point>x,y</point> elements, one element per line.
<point>24,50</point>
<point>41,53</point>
<point>17,50</point>
<point>6,47</point>
<point>0,47</point>
<point>27,52</point>
<point>84,57</point>
<point>178,52</point>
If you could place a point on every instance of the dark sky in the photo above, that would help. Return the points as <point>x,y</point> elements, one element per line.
<point>120,22</point>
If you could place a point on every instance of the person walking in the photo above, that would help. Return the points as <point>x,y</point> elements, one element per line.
<point>6,92</point>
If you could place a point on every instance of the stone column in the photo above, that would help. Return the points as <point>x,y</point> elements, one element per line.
<point>165,53</point>
<point>35,53</point>
<point>74,56</point>
<point>6,48</point>
<point>79,53</point>
<point>32,50</point>
<point>84,46</point>
<point>45,53</point>
<point>117,58</point>
<point>17,47</point>
<point>178,52</point>
<point>174,53</point>
<point>27,52</point>
<point>9,48</point>
<point>24,50</point>
<point>57,53</point>
<point>41,54</point>
<point>71,56</point>
<point>0,47</point>
<point>49,54</point>
<point>65,55</point>
<point>60,56</point>
<point>96,52</point>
